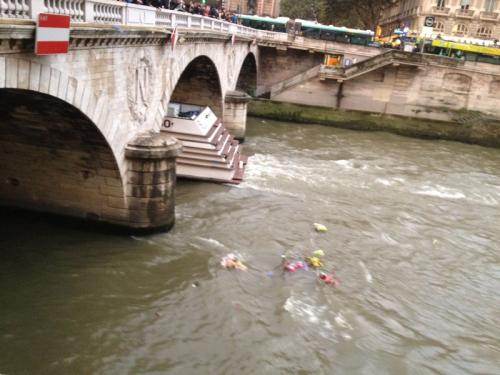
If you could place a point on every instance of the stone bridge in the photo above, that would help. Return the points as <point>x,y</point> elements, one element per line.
<point>80,133</point>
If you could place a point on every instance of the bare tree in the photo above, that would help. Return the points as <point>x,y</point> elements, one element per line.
<point>353,13</point>
<point>370,11</point>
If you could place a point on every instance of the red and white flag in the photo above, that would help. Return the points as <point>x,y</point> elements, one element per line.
<point>233,39</point>
<point>173,37</point>
<point>52,34</point>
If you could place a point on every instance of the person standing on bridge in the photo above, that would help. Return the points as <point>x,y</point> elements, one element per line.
<point>206,11</point>
<point>213,12</point>
<point>180,6</point>
<point>222,14</point>
<point>196,8</point>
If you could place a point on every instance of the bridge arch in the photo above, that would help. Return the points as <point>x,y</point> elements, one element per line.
<point>200,84</point>
<point>54,158</point>
<point>225,65</point>
<point>247,77</point>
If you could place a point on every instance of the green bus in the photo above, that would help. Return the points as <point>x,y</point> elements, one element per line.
<point>309,29</point>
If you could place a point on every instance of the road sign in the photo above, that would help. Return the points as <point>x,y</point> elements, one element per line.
<point>427,32</point>
<point>52,34</point>
<point>429,21</point>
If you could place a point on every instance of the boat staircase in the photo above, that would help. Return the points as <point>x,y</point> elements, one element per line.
<point>209,152</point>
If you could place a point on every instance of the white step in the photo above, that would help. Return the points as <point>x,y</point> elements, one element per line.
<point>224,158</point>
<point>201,172</point>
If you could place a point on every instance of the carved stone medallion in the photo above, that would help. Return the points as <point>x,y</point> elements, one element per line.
<point>140,87</point>
<point>230,65</point>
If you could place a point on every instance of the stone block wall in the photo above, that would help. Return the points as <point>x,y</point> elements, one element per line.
<point>432,92</point>
<point>53,159</point>
<point>278,65</point>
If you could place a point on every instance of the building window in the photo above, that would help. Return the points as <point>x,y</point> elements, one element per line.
<point>460,29</point>
<point>484,32</point>
<point>464,4</point>
<point>490,5</point>
<point>439,28</point>
<point>441,3</point>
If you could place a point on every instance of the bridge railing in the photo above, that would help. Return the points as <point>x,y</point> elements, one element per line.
<point>15,9</point>
<point>100,11</point>
<point>114,12</point>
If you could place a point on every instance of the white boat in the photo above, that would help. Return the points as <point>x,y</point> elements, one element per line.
<point>209,151</point>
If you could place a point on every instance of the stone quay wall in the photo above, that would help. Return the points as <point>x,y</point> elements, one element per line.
<point>433,92</point>
<point>471,129</point>
<point>441,91</point>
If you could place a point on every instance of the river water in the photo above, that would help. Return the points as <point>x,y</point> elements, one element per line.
<point>414,236</point>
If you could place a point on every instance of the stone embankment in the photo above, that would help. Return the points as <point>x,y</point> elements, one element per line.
<point>467,126</point>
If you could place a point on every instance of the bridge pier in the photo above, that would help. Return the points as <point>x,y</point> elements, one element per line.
<point>150,181</point>
<point>235,113</point>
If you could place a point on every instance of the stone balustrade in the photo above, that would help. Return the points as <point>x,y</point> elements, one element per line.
<point>464,13</point>
<point>113,12</point>
<point>15,9</point>
<point>440,10</point>
<point>488,16</point>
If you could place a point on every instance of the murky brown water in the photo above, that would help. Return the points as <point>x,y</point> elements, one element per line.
<point>414,234</point>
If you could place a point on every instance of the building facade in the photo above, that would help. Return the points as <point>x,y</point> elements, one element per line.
<point>461,18</point>
<point>268,8</point>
